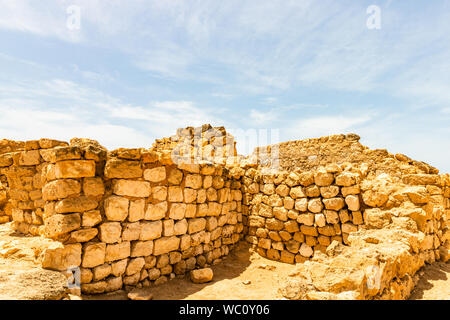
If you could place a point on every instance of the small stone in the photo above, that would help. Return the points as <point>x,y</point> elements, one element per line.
<point>201,275</point>
<point>140,294</point>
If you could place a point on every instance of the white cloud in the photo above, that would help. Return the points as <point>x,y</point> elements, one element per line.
<point>63,109</point>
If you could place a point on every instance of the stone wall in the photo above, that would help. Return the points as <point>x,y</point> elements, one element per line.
<point>130,217</point>
<point>138,217</point>
<point>292,215</point>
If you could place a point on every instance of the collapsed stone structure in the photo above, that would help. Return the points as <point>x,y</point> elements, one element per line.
<point>344,214</point>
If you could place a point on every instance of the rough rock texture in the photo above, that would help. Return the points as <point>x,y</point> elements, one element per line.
<point>139,217</point>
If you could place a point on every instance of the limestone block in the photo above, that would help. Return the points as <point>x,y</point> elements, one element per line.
<point>306,178</point>
<point>201,275</point>
<point>175,177</point>
<point>323,178</point>
<point>116,208</point>
<point>131,188</point>
<point>157,174</point>
<point>93,186</point>
<point>151,230</point>
<point>306,251</point>
<point>196,225</point>
<point>83,235</point>
<point>334,203</point>
<point>329,192</point>
<point>74,169</point>
<point>59,224</point>
<point>190,195</point>
<point>168,226</point>
<point>93,254</point>
<point>135,266</point>
<point>175,194</point>
<point>60,189</point>
<point>131,231</point>
<point>309,230</point>
<point>91,218</point>
<point>62,257</point>
<point>101,272</point>
<point>315,205</point>
<point>180,227</point>
<point>29,158</point>
<point>159,193</point>
<point>156,211</point>
<point>297,192</point>
<point>117,251</point>
<point>110,232</point>
<point>177,211</point>
<point>61,153</point>
<point>165,245</point>
<point>79,204</point>
<point>141,248</point>
<point>136,210</point>
<point>350,190</point>
<point>123,169</point>
<point>346,179</point>
<point>352,202</point>
<point>118,268</point>
<point>94,287</point>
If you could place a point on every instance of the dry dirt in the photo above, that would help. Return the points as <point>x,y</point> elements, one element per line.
<point>434,283</point>
<point>21,276</point>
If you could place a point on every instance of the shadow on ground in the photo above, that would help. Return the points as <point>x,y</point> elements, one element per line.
<point>434,283</point>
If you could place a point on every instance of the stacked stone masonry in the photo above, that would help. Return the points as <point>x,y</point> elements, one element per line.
<point>139,217</point>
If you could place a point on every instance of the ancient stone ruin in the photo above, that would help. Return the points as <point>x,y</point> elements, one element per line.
<point>356,223</point>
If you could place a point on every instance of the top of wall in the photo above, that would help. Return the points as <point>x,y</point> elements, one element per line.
<point>310,154</point>
<point>214,144</point>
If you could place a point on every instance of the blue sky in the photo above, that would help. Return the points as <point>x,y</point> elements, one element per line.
<point>137,70</point>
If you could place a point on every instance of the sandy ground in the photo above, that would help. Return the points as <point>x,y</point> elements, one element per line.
<point>434,283</point>
<point>21,275</point>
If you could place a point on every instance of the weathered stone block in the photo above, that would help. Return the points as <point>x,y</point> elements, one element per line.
<point>59,224</point>
<point>156,211</point>
<point>201,275</point>
<point>151,230</point>
<point>122,169</point>
<point>139,189</point>
<point>141,248</point>
<point>74,169</point>
<point>165,245</point>
<point>60,189</point>
<point>80,204</point>
<point>110,232</point>
<point>117,251</point>
<point>196,225</point>
<point>93,186</point>
<point>62,258</point>
<point>137,210</point>
<point>157,174</point>
<point>116,208</point>
<point>177,211</point>
<point>93,254</point>
<point>91,218</point>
